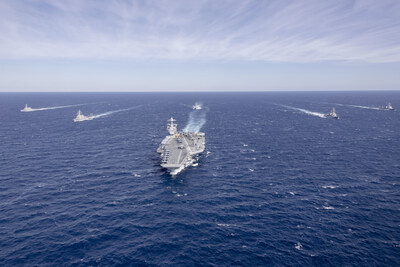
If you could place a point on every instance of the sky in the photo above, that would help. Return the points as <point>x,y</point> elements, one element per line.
<point>202,45</point>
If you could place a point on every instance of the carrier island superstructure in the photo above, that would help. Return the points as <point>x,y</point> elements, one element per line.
<point>180,149</point>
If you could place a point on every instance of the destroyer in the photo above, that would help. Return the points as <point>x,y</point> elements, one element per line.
<point>332,114</point>
<point>180,149</point>
<point>26,108</point>
<point>80,117</point>
<point>197,107</point>
<point>388,106</point>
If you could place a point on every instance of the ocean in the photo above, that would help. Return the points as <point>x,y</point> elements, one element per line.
<point>279,184</point>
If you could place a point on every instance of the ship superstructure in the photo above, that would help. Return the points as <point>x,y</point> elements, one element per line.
<point>80,117</point>
<point>389,106</point>
<point>180,149</point>
<point>26,108</point>
<point>198,107</point>
<point>332,114</point>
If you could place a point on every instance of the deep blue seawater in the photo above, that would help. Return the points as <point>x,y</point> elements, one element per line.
<point>278,186</point>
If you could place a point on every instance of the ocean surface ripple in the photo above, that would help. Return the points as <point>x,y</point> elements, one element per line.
<point>274,187</point>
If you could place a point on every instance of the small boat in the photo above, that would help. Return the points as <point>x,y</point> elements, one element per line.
<point>80,117</point>
<point>26,108</point>
<point>388,106</point>
<point>332,114</point>
<point>197,107</point>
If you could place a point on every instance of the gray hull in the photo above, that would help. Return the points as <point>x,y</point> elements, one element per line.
<point>180,150</point>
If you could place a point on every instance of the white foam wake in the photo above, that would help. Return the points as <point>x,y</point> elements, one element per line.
<point>91,117</point>
<point>356,106</point>
<point>57,107</point>
<point>186,105</point>
<point>197,118</point>
<point>309,112</point>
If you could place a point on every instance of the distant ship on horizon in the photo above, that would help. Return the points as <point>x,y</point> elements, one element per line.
<point>197,107</point>
<point>388,106</point>
<point>332,114</point>
<point>80,117</point>
<point>26,108</point>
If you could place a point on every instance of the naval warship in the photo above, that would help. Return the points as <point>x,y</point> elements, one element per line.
<point>180,149</point>
<point>26,108</point>
<point>332,114</point>
<point>388,106</point>
<point>81,117</point>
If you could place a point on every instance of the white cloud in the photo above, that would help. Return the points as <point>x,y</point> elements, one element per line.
<point>271,31</point>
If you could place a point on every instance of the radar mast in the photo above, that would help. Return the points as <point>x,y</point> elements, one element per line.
<point>172,127</point>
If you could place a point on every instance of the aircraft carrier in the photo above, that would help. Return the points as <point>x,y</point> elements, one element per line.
<point>180,149</point>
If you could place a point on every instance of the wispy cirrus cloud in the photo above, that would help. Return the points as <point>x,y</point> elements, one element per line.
<point>271,31</point>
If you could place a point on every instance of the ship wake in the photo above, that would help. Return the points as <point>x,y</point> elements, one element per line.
<point>356,106</point>
<point>56,107</point>
<point>92,117</point>
<point>309,112</point>
<point>197,118</point>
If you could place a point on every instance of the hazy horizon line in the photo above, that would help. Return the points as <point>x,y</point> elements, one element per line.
<point>211,91</point>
